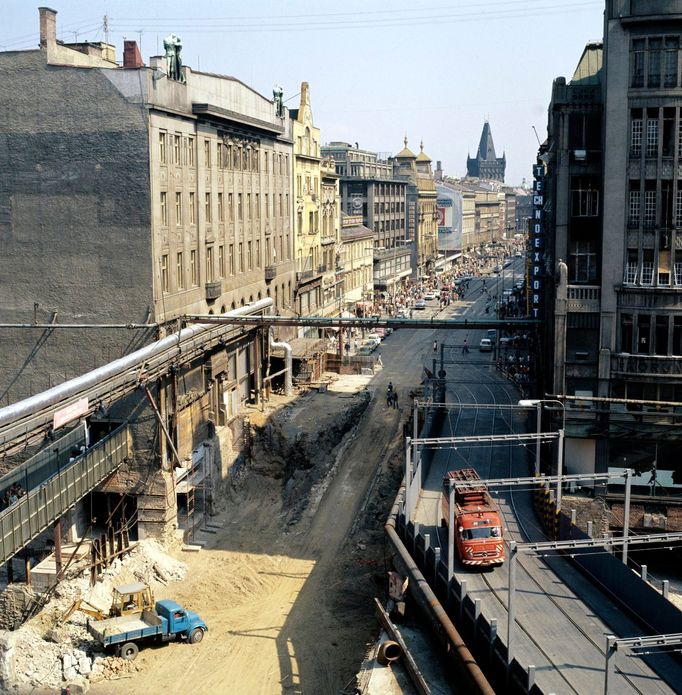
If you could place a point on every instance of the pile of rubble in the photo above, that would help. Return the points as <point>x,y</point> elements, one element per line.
<point>50,652</point>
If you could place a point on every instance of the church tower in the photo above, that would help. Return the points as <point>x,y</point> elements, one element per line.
<point>486,165</point>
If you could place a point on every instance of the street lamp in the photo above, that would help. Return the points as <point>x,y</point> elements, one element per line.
<point>537,403</point>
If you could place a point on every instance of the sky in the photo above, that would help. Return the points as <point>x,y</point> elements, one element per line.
<point>378,70</point>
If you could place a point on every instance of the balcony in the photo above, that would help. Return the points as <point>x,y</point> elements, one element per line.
<point>270,272</point>
<point>583,299</point>
<point>213,290</point>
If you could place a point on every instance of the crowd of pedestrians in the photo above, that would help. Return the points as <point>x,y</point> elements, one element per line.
<point>12,495</point>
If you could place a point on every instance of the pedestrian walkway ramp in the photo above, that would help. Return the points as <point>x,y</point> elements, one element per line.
<point>47,502</point>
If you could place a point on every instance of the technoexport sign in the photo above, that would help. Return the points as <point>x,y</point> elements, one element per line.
<point>537,241</point>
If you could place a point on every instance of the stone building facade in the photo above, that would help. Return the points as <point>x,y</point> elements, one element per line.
<point>611,173</point>
<point>136,197</point>
<point>368,188</point>
<point>422,213</point>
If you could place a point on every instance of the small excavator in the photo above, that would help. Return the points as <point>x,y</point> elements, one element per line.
<point>127,599</point>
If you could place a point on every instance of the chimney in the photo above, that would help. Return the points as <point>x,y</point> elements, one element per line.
<point>48,26</point>
<point>131,55</point>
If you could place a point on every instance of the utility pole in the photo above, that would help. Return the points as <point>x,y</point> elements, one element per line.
<point>105,28</point>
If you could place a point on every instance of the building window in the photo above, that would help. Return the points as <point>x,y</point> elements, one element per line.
<point>219,155</point>
<point>672,44</point>
<point>164,209</point>
<point>652,136</point>
<point>193,267</point>
<point>207,153</point>
<point>257,206</point>
<point>249,256</point>
<point>163,153</point>
<point>190,151</point>
<point>231,258</point>
<point>267,206</point>
<point>176,150</point>
<point>642,338</point>
<point>178,209</point>
<point>241,257</point>
<point>636,134</point>
<point>585,197</point>
<point>221,261</point>
<point>257,253</point>
<point>649,208</point>
<point>230,208</point>
<point>207,207</point>
<point>631,267</point>
<point>648,268</point>
<point>654,71</point>
<point>678,205</point>
<point>221,211</point>
<point>637,63</point>
<point>240,211</point>
<point>280,205</point>
<point>164,273</point>
<point>179,270</point>
<point>583,262</point>
<point>248,206</point>
<point>209,264</point>
<point>677,267</point>
<point>192,208</point>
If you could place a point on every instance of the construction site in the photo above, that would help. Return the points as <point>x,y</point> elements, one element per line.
<point>269,525</point>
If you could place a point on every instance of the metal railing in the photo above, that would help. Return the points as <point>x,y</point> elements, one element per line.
<point>43,505</point>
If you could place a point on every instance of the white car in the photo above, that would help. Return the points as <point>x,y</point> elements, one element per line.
<point>486,345</point>
<point>374,338</point>
<point>420,304</point>
<point>431,295</point>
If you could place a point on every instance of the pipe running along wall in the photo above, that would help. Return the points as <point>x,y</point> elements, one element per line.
<point>57,395</point>
<point>288,362</point>
<point>474,679</point>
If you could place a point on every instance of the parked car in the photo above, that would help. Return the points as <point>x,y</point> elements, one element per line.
<point>402,315</point>
<point>430,295</point>
<point>485,345</point>
<point>374,338</point>
<point>518,254</point>
<point>420,304</point>
<point>366,349</point>
<point>497,269</point>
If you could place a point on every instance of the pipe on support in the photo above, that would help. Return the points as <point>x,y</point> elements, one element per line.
<point>288,362</point>
<point>73,388</point>
<point>475,680</point>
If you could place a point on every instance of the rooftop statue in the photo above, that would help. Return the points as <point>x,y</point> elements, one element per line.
<point>173,45</point>
<point>277,98</point>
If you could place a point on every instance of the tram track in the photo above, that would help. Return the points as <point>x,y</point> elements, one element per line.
<point>495,395</point>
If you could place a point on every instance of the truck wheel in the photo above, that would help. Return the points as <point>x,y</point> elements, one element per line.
<point>129,651</point>
<point>196,636</point>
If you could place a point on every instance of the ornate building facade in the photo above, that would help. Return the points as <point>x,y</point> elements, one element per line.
<point>486,164</point>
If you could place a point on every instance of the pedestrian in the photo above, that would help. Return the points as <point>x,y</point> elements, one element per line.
<point>379,362</point>
<point>465,347</point>
<point>395,400</point>
<point>389,396</point>
<point>435,346</point>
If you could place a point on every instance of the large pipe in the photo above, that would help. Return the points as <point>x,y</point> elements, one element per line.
<point>288,362</point>
<point>58,394</point>
<point>475,680</point>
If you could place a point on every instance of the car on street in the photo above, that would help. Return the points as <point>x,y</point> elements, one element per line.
<point>485,345</point>
<point>366,349</point>
<point>505,341</point>
<point>402,315</point>
<point>420,304</point>
<point>497,269</point>
<point>373,338</point>
<point>491,334</point>
<point>518,254</point>
<point>430,295</point>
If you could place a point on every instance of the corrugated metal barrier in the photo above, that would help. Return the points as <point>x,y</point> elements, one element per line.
<point>43,505</point>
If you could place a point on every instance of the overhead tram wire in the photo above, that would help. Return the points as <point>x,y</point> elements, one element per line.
<point>435,20</point>
<point>517,4</point>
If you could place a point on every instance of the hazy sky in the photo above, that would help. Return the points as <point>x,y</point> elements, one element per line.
<point>377,69</point>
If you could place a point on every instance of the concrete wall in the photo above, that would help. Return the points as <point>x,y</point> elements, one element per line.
<point>74,221</point>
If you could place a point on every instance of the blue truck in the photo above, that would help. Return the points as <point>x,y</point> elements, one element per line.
<point>167,621</point>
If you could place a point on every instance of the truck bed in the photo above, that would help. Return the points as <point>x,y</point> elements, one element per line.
<point>126,628</point>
